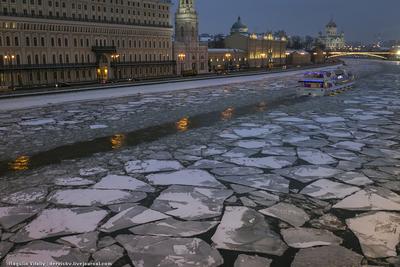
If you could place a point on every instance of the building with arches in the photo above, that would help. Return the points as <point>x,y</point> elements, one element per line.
<point>332,39</point>
<point>191,56</point>
<point>83,41</point>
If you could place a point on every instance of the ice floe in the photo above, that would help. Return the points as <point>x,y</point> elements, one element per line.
<point>131,217</point>
<point>326,189</point>
<point>26,196</point>
<point>86,242</point>
<point>287,213</point>
<point>315,156</point>
<point>94,197</point>
<point>13,215</point>
<point>37,122</point>
<point>149,166</point>
<point>251,144</point>
<point>309,237</point>
<point>308,173</point>
<point>273,162</point>
<point>149,251</point>
<point>354,178</point>
<point>123,183</point>
<point>109,254</point>
<point>269,182</point>
<point>244,229</point>
<point>349,145</point>
<point>279,151</point>
<point>253,261</point>
<point>185,177</point>
<point>378,233</point>
<point>73,181</point>
<point>239,171</point>
<point>174,228</point>
<point>58,222</point>
<point>191,203</point>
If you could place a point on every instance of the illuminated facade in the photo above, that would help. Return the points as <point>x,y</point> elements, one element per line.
<point>332,39</point>
<point>190,55</point>
<point>83,41</point>
<point>220,59</point>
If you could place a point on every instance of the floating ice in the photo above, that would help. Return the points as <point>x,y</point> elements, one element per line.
<point>109,254</point>
<point>244,229</point>
<point>326,189</point>
<point>280,151</point>
<point>26,196</point>
<point>131,217</point>
<point>149,251</point>
<point>185,177</point>
<point>89,172</point>
<point>329,119</point>
<point>378,233</point>
<point>354,178</point>
<point>315,156</point>
<point>174,228</point>
<point>269,182</point>
<point>98,126</point>
<point>352,146</point>
<point>308,173</point>
<point>86,242</point>
<point>238,152</point>
<point>58,222</point>
<point>11,216</point>
<point>273,162</point>
<point>287,213</point>
<point>123,183</point>
<point>148,166</point>
<point>309,237</point>
<point>253,261</point>
<point>37,122</point>
<point>73,181</point>
<point>236,171</point>
<point>251,144</point>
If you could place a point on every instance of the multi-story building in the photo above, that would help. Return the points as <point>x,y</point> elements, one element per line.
<point>48,42</point>
<point>332,39</point>
<point>262,50</point>
<point>191,55</point>
<point>225,59</point>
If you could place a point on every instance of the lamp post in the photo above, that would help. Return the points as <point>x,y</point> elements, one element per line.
<point>263,56</point>
<point>228,57</point>
<point>114,59</point>
<point>10,59</point>
<point>181,58</point>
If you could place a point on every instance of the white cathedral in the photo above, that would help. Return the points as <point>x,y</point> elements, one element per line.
<point>332,39</point>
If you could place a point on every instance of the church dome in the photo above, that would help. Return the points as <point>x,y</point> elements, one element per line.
<point>331,24</point>
<point>239,27</point>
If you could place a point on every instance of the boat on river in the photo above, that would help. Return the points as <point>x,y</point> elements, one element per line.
<point>325,83</point>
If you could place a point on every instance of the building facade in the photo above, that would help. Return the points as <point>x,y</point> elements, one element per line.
<point>48,42</point>
<point>332,39</point>
<point>263,50</point>
<point>225,59</point>
<point>191,56</point>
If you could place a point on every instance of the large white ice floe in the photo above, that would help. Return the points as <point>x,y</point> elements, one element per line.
<point>174,228</point>
<point>150,251</point>
<point>315,156</point>
<point>251,144</point>
<point>185,177</point>
<point>269,182</point>
<point>73,181</point>
<point>244,229</point>
<point>58,222</point>
<point>349,145</point>
<point>191,203</point>
<point>133,216</point>
<point>26,196</point>
<point>123,183</point>
<point>37,122</point>
<point>287,213</point>
<point>45,252</point>
<point>309,237</point>
<point>354,178</point>
<point>378,233</point>
<point>273,162</point>
<point>327,256</point>
<point>86,242</point>
<point>308,173</point>
<point>373,198</point>
<point>326,189</point>
<point>152,165</point>
<point>253,261</point>
<point>13,215</point>
<point>94,197</point>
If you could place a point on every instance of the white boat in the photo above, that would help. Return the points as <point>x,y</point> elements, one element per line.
<point>324,83</point>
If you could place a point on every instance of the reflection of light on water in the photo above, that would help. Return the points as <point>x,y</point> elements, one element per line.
<point>227,114</point>
<point>262,106</point>
<point>20,164</point>
<point>117,141</point>
<point>183,124</point>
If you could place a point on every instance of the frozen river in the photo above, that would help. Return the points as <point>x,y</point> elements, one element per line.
<point>242,174</point>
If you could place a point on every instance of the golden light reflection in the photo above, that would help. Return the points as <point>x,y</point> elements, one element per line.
<point>262,106</point>
<point>117,141</point>
<point>20,164</point>
<point>227,114</point>
<point>183,124</point>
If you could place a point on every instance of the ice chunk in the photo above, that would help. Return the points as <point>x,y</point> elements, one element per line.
<point>148,166</point>
<point>309,237</point>
<point>326,189</point>
<point>123,183</point>
<point>287,213</point>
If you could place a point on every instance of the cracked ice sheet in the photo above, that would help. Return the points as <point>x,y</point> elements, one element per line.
<point>378,233</point>
<point>269,182</point>
<point>30,195</point>
<point>191,203</point>
<point>94,197</point>
<point>274,162</point>
<point>372,198</point>
<point>315,156</point>
<point>326,189</point>
<point>58,222</point>
<point>131,217</point>
<point>13,215</point>
<point>309,237</point>
<point>149,166</point>
<point>244,229</point>
<point>123,183</point>
<point>150,251</point>
<point>45,252</point>
<point>185,177</point>
<point>174,228</point>
<point>308,173</point>
<point>255,132</point>
<point>287,213</point>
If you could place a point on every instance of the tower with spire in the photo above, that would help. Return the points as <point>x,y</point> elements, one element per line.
<point>191,56</point>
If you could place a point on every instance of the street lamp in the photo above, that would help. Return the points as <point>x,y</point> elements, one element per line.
<point>10,59</point>
<point>181,58</point>
<point>228,57</point>
<point>263,57</point>
<point>114,59</point>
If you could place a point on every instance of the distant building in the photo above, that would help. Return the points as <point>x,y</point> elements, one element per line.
<point>191,56</point>
<point>332,39</point>
<point>298,57</point>
<point>226,59</point>
<point>262,49</point>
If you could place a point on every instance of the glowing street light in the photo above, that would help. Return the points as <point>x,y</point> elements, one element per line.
<point>263,57</point>
<point>181,58</point>
<point>114,58</point>
<point>10,59</point>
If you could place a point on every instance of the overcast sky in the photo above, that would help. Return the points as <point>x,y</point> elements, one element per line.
<point>361,20</point>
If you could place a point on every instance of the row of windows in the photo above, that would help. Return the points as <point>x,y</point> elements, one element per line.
<point>65,42</point>
<point>61,59</point>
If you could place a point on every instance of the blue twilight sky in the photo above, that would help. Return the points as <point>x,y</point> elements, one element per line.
<point>361,20</point>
